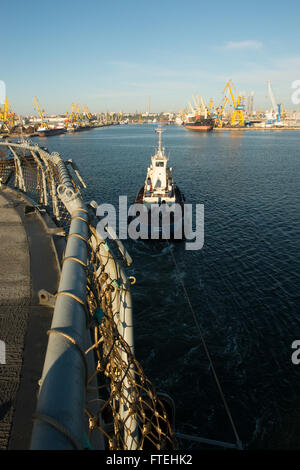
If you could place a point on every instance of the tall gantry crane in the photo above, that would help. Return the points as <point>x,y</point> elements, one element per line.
<point>7,116</point>
<point>75,117</point>
<point>4,115</point>
<point>200,108</point>
<point>41,112</point>
<point>120,116</point>
<point>276,108</point>
<point>210,106</point>
<point>238,105</point>
<point>219,112</point>
<point>70,116</point>
<point>78,115</point>
<point>87,112</point>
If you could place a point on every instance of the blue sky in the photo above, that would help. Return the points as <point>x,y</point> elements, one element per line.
<point>113,55</point>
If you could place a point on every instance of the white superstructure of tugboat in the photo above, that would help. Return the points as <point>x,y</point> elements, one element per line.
<point>160,192</point>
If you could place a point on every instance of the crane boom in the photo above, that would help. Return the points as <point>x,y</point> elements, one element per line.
<point>237,117</point>
<point>228,87</point>
<point>191,107</point>
<point>41,112</point>
<point>271,94</point>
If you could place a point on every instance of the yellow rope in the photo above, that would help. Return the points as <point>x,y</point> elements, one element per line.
<point>77,217</point>
<point>73,258</point>
<point>77,235</point>
<point>73,296</point>
<point>74,342</point>
<point>81,209</point>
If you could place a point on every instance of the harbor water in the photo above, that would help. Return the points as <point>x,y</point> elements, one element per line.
<point>243,284</point>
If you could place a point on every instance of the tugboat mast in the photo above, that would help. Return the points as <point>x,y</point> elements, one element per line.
<point>159,132</point>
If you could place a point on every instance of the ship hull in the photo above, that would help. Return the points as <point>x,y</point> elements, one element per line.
<point>83,128</point>
<point>198,128</point>
<point>159,231</point>
<point>50,132</point>
<point>200,124</point>
<point>79,128</point>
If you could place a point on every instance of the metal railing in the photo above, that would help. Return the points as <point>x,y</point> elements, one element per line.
<point>93,392</point>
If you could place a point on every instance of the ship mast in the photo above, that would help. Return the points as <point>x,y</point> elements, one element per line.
<point>159,132</point>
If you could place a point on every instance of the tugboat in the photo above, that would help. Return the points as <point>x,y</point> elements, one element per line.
<point>162,199</point>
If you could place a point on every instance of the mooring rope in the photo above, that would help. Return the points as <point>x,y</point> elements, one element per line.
<point>239,444</point>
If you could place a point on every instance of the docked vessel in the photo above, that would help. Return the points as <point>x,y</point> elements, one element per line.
<point>162,199</point>
<point>49,131</point>
<point>199,124</point>
<point>75,127</point>
<point>83,127</point>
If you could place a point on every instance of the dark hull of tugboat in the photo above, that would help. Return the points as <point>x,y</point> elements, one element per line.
<point>160,233</point>
<point>50,132</point>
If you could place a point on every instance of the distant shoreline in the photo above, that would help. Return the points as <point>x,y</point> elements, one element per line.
<point>256,129</point>
<point>217,129</point>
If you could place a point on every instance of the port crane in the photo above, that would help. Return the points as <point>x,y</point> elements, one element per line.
<point>192,109</point>
<point>276,109</point>
<point>258,113</point>
<point>200,106</point>
<point>182,114</point>
<point>87,112</point>
<point>238,105</point>
<point>70,117</point>
<point>78,116</point>
<point>41,112</point>
<point>7,117</point>
<point>219,112</point>
<point>210,107</point>
<point>4,115</point>
<point>120,116</point>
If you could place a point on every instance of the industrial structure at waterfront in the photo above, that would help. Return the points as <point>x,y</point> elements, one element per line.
<point>233,111</point>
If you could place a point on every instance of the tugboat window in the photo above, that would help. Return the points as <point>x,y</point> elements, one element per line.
<point>159,163</point>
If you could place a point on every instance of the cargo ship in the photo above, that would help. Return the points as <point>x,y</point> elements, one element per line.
<point>47,132</point>
<point>200,124</point>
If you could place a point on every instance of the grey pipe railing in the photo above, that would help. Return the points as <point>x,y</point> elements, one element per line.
<point>59,422</point>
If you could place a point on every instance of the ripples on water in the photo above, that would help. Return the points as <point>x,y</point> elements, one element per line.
<point>243,284</point>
